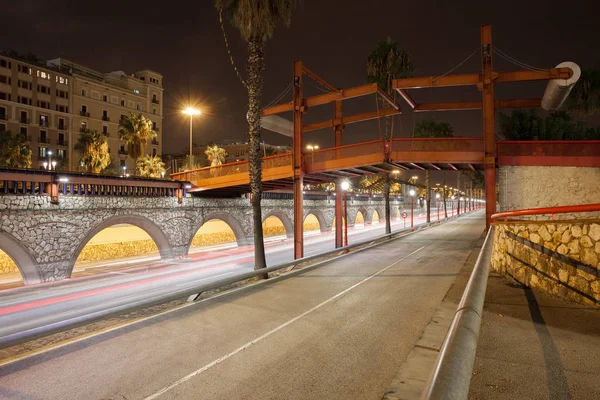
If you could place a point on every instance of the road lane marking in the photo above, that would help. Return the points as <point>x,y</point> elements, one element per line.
<point>272,331</point>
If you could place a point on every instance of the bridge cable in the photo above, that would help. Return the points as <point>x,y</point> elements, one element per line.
<point>229,50</point>
<point>517,62</point>
<point>458,65</point>
<point>280,96</point>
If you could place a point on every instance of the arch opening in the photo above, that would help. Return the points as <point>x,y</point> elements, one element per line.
<point>214,232</point>
<point>120,243</point>
<point>273,227</point>
<point>311,223</point>
<point>375,217</point>
<point>360,218</point>
<point>343,223</point>
<point>9,270</point>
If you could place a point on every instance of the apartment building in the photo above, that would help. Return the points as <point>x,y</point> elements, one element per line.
<point>54,103</point>
<point>240,151</point>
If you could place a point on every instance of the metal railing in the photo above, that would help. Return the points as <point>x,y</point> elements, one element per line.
<point>582,153</point>
<point>191,289</point>
<point>546,210</point>
<point>451,376</point>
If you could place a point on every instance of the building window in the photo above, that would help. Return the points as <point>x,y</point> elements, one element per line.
<point>44,120</point>
<point>43,151</point>
<point>122,117</point>
<point>4,96</point>
<point>61,139</point>
<point>23,130</point>
<point>2,127</point>
<point>83,125</point>
<point>61,153</point>
<point>43,137</point>
<point>5,63</point>
<point>60,79</point>
<point>43,89</point>
<point>84,92</point>
<point>24,84</point>
<point>24,69</point>
<point>122,103</point>
<point>138,107</point>
<point>153,126</point>
<point>43,74</point>
<point>136,91</point>
<point>122,163</point>
<point>105,129</point>
<point>24,117</point>
<point>154,111</point>
<point>105,98</point>
<point>153,152</point>
<point>5,79</point>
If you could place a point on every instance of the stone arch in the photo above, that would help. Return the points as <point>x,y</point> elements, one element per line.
<point>21,256</point>
<point>285,220</point>
<point>323,226</point>
<point>381,216</point>
<point>157,235</point>
<point>234,224</point>
<point>352,217</point>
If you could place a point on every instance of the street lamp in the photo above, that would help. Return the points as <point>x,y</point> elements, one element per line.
<point>312,148</point>
<point>437,203</point>
<point>49,159</point>
<point>412,201</point>
<point>191,112</point>
<point>124,170</point>
<point>345,187</point>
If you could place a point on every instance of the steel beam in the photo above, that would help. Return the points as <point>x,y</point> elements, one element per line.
<point>436,81</point>
<point>538,75</point>
<point>318,79</point>
<point>407,98</point>
<point>350,119</point>
<point>476,105</point>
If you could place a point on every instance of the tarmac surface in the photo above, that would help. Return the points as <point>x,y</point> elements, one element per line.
<point>339,330</point>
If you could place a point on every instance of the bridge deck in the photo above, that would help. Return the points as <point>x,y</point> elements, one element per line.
<point>351,160</point>
<point>338,331</point>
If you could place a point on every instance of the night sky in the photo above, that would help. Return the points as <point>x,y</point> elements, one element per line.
<point>183,41</point>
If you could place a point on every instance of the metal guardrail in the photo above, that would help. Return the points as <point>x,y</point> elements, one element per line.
<point>504,215</point>
<point>193,289</point>
<point>451,376</point>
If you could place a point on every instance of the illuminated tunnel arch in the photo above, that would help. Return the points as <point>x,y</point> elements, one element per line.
<point>21,257</point>
<point>285,220</point>
<point>231,221</point>
<point>155,233</point>
<point>318,214</point>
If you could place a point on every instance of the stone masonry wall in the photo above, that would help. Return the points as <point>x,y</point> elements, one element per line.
<point>561,258</point>
<point>49,237</point>
<point>523,187</point>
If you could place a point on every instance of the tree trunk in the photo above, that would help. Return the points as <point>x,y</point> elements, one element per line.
<point>445,209</point>
<point>255,85</point>
<point>428,196</point>
<point>386,193</point>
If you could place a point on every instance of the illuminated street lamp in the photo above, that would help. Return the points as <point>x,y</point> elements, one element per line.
<point>312,148</point>
<point>412,201</point>
<point>191,112</point>
<point>345,187</point>
<point>437,203</point>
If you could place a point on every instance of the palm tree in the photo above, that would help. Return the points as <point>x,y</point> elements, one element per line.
<point>94,151</point>
<point>386,63</point>
<point>14,150</point>
<point>256,21</point>
<point>150,166</point>
<point>215,154</point>
<point>137,131</point>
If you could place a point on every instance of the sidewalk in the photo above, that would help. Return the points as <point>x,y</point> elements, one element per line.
<point>535,346</point>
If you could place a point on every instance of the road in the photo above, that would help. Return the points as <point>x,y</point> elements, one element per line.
<point>340,330</point>
<point>29,308</point>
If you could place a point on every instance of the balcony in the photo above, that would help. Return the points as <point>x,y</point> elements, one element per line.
<point>3,117</point>
<point>84,113</point>
<point>64,143</point>
<point>105,118</point>
<point>84,130</point>
<point>44,124</point>
<point>155,142</point>
<point>156,129</point>
<point>44,140</point>
<point>123,152</point>
<point>61,127</point>
<point>155,101</point>
<point>107,133</point>
<point>24,120</point>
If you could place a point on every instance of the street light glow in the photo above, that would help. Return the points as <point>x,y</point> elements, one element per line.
<point>412,192</point>
<point>396,171</point>
<point>345,185</point>
<point>415,177</point>
<point>192,111</point>
<point>63,179</point>
<point>437,196</point>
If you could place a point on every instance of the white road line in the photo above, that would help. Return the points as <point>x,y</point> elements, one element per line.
<point>280,327</point>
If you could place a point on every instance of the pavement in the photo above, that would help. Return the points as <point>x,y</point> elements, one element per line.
<point>535,346</point>
<point>339,330</point>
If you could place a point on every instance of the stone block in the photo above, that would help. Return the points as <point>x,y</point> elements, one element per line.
<point>589,257</point>
<point>574,247</point>
<point>562,249</point>
<point>566,237</point>
<point>576,231</point>
<point>561,228</point>
<point>535,238</point>
<point>533,228</point>
<point>563,276</point>
<point>551,228</point>
<point>594,232</point>
<point>586,241</point>
<point>596,286</point>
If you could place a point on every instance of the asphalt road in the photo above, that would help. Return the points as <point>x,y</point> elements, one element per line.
<point>28,308</point>
<point>340,330</point>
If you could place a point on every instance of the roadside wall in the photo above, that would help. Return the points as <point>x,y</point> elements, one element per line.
<point>561,258</point>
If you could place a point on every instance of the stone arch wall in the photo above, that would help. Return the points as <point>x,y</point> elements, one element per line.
<point>380,213</point>
<point>325,218</point>
<point>241,235</point>
<point>353,212</point>
<point>21,256</point>
<point>155,232</point>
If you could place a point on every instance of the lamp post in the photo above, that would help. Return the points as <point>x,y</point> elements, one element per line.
<point>124,170</point>
<point>312,148</point>
<point>49,159</point>
<point>191,112</point>
<point>412,202</point>
<point>345,187</point>
<point>437,204</point>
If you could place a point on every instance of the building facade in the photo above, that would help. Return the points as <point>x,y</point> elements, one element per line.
<point>240,151</point>
<point>53,104</point>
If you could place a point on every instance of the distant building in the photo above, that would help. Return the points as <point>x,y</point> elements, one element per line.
<point>53,103</point>
<point>240,151</point>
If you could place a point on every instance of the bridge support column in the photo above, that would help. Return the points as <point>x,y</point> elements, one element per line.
<point>489,141</point>
<point>298,164</point>
<point>339,218</point>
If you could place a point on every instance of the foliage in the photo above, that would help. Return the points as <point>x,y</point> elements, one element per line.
<point>94,151</point>
<point>150,166</point>
<point>256,20</point>
<point>476,178</point>
<point>197,164</point>
<point>431,128</point>
<point>137,131</point>
<point>216,155</point>
<point>386,63</point>
<point>527,125</point>
<point>14,150</point>
<point>584,99</point>
<point>270,151</point>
